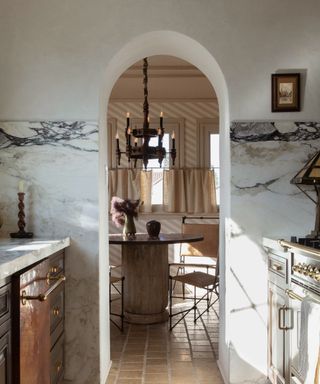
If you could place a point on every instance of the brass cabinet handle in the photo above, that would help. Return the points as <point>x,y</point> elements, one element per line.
<point>281,318</point>
<point>42,296</point>
<point>58,366</point>
<point>276,267</point>
<point>56,311</point>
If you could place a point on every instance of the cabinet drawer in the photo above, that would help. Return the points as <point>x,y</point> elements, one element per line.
<point>57,362</point>
<point>56,263</point>
<point>56,307</point>
<point>5,357</point>
<point>5,303</point>
<point>278,269</point>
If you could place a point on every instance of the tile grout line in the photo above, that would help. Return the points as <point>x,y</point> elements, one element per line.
<point>144,368</point>
<point>121,356</point>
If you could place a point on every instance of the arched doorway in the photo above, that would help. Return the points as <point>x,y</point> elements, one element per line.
<point>181,46</point>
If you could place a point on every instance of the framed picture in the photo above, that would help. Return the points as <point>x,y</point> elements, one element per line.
<point>285,92</point>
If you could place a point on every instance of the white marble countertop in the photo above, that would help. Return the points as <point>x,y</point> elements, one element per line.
<point>17,254</point>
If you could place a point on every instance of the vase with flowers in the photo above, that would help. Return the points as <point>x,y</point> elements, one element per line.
<point>123,212</point>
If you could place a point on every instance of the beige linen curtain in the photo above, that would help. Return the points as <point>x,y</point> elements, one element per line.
<point>190,190</point>
<point>132,184</point>
<point>184,190</point>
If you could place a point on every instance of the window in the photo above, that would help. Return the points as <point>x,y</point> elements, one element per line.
<point>208,150</point>
<point>215,162</point>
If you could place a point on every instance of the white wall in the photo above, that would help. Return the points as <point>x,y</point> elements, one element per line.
<point>54,53</point>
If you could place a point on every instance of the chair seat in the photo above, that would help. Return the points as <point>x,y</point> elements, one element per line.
<point>114,279</point>
<point>197,278</point>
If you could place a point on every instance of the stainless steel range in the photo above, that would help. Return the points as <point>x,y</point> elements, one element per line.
<point>304,280</point>
<point>294,273</point>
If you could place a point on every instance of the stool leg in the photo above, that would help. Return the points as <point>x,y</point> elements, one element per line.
<point>194,304</point>
<point>122,299</point>
<point>170,302</point>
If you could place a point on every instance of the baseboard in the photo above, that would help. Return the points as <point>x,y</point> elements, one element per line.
<point>222,373</point>
<point>104,379</point>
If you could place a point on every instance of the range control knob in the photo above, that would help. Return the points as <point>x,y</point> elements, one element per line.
<point>316,274</point>
<point>310,271</point>
<point>297,268</point>
<point>305,269</point>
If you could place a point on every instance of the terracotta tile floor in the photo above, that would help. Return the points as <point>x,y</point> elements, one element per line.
<point>146,354</point>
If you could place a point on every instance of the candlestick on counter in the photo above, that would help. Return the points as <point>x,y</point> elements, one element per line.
<point>21,222</point>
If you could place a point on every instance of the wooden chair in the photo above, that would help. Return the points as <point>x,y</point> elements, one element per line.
<point>113,281</point>
<point>208,280</point>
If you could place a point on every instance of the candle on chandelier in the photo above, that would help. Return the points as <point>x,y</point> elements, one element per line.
<point>173,137</point>
<point>21,186</point>
<point>129,136</point>
<point>117,139</point>
<point>159,137</point>
<point>128,119</point>
<point>161,119</point>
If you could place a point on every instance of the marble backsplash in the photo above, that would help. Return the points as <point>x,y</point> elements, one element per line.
<point>59,163</point>
<point>264,158</point>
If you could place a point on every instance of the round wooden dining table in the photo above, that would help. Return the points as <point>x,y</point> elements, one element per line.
<point>145,268</point>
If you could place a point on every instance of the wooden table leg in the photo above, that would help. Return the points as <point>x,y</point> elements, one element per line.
<point>145,268</point>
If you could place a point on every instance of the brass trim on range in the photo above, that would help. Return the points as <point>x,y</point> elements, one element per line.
<point>293,295</point>
<point>287,244</point>
<point>42,296</point>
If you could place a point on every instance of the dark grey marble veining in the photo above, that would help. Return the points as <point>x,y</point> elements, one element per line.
<point>75,135</point>
<point>274,131</point>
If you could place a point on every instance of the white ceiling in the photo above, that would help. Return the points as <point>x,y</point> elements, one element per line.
<point>168,78</point>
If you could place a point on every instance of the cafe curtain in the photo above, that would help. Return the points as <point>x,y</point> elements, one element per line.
<point>128,183</point>
<point>190,190</point>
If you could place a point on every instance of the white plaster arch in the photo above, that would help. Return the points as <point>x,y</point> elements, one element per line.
<point>179,45</point>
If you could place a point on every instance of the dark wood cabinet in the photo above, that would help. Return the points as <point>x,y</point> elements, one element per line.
<point>5,333</point>
<point>38,322</point>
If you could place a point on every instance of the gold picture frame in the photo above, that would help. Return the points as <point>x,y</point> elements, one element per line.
<point>285,92</point>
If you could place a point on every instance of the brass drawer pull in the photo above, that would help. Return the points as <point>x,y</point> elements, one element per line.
<point>56,311</point>
<point>58,366</point>
<point>276,267</point>
<point>43,296</point>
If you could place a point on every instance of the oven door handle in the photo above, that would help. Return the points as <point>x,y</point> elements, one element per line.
<point>42,296</point>
<point>282,318</point>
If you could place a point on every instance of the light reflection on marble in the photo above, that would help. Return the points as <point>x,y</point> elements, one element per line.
<point>59,163</point>
<point>16,254</point>
<point>265,156</point>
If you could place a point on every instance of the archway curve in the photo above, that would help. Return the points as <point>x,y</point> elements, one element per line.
<point>182,46</point>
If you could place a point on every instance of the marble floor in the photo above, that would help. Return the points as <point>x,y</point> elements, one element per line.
<point>151,354</point>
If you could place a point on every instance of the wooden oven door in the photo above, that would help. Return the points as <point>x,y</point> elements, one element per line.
<point>34,349</point>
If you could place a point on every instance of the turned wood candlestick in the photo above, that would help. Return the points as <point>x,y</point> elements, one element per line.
<point>21,234</point>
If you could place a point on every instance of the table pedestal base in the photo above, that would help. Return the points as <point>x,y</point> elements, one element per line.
<point>155,318</point>
<point>145,267</point>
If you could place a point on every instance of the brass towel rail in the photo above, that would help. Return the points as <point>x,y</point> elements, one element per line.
<point>295,296</point>
<point>288,244</point>
<point>43,296</point>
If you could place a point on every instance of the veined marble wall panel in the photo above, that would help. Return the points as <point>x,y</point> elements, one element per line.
<point>190,111</point>
<point>59,163</point>
<point>264,158</point>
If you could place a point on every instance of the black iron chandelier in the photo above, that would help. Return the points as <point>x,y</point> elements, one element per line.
<point>140,149</point>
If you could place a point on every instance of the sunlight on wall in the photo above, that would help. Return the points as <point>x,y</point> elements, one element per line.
<point>248,304</point>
